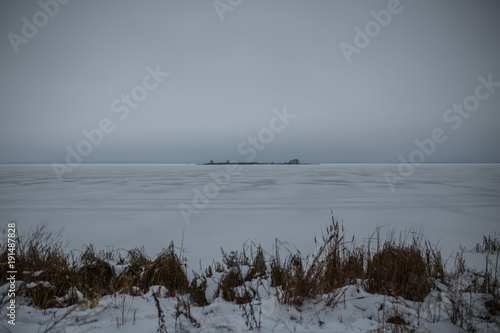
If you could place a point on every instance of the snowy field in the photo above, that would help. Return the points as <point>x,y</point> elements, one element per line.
<point>138,205</point>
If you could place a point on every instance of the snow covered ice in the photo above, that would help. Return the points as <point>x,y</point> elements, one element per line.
<point>137,205</point>
<point>127,206</point>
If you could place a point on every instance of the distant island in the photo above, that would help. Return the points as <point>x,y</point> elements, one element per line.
<point>291,162</point>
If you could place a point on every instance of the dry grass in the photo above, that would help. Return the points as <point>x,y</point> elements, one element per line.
<point>162,328</point>
<point>465,282</point>
<point>45,269</point>
<point>228,284</point>
<point>127,282</point>
<point>231,286</point>
<point>55,279</point>
<point>396,269</point>
<point>490,244</point>
<point>95,275</point>
<point>259,266</point>
<point>197,290</point>
<point>166,270</point>
<point>332,267</point>
<point>399,271</point>
<point>406,268</point>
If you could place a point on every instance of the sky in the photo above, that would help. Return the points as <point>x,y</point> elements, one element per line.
<point>253,80</point>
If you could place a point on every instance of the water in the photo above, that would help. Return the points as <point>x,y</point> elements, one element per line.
<point>138,205</point>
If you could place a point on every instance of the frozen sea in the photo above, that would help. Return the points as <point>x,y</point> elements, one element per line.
<point>138,205</point>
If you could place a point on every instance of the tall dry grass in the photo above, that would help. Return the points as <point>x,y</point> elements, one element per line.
<point>407,268</point>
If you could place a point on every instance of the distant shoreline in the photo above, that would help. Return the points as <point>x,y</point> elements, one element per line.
<point>256,163</point>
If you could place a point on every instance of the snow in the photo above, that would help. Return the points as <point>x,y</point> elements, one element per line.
<point>357,311</point>
<point>443,327</point>
<point>127,206</point>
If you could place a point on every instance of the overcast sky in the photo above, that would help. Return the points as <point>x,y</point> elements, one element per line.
<point>230,66</point>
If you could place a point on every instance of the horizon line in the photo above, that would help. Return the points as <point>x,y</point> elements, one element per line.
<point>243,163</point>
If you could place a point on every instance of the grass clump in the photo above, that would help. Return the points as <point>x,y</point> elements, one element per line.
<point>341,265</point>
<point>408,271</point>
<point>490,245</point>
<point>229,282</point>
<point>95,275</point>
<point>332,267</point>
<point>276,267</point>
<point>239,271</point>
<point>258,267</point>
<point>129,280</point>
<point>399,270</point>
<point>44,268</point>
<point>232,276</point>
<point>197,290</point>
<point>166,270</point>
<point>296,287</point>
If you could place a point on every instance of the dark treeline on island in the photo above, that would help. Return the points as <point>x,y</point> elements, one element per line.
<point>294,161</point>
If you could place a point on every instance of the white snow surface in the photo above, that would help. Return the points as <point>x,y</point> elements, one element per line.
<point>127,206</point>
<point>356,311</point>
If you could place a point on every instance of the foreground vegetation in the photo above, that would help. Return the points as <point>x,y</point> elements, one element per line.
<point>407,267</point>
